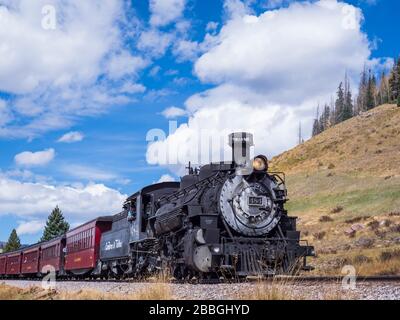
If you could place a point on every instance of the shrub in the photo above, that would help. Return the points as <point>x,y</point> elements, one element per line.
<point>353,220</point>
<point>360,259</point>
<point>337,209</point>
<point>325,219</point>
<point>395,228</point>
<point>389,255</point>
<point>319,235</point>
<point>373,225</point>
<point>380,234</point>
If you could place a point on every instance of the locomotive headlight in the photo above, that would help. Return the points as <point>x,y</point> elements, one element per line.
<point>260,163</point>
<point>216,250</point>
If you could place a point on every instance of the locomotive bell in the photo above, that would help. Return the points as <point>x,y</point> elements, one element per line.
<point>240,142</point>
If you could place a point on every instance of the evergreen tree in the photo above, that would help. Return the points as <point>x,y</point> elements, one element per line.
<point>325,120</point>
<point>370,94</point>
<point>332,110</point>
<point>316,125</point>
<point>13,242</point>
<point>394,83</point>
<point>315,128</point>
<point>383,92</point>
<point>347,112</point>
<point>339,104</point>
<point>362,90</point>
<point>398,82</point>
<point>55,225</point>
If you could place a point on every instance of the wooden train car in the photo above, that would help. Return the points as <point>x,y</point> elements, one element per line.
<point>52,256</point>
<point>14,263</point>
<point>30,260</point>
<point>3,263</point>
<point>83,245</point>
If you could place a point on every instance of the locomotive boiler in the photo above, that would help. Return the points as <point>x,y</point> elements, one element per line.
<point>223,220</point>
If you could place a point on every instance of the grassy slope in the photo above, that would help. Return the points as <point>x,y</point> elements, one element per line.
<point>356,166</point>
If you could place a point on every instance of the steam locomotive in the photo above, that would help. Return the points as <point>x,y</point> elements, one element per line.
<point>223,220</point>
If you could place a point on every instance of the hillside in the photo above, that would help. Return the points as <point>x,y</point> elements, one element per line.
<point>344,185</point>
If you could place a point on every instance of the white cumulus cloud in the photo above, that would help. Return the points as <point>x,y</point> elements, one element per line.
<point>163,12</point>
<point>30,227</point>
<point>73,136</point>
<point>174,112</point>
<point>77,202</point>
<point>58,74</point>
<point>166,178</point>
<point>39,158</point>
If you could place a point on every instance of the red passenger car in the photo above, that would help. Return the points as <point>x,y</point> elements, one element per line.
<point>14,263</point>
<point>52,255</point>
<point>3,263</point>
<point>30,260</point>
<point>83,245</point>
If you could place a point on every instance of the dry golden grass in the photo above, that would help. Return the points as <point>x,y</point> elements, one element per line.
<point>31,293</point>
<point>367,262</point>
<point>295,290</point>
<point>269,291</point>
<point>154,291</point>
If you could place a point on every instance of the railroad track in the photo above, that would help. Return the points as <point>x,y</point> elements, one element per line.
<point>391,278</point>
<point>285,279</point>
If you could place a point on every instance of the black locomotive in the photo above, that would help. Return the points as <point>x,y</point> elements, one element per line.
<point>224,219</point>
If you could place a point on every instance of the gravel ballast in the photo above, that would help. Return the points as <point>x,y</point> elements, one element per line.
<point>300,290</point>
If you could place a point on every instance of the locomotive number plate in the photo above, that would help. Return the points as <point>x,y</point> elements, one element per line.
<point>255,201</point>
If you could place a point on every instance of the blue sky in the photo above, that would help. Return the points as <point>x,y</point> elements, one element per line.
<point>101,77</point>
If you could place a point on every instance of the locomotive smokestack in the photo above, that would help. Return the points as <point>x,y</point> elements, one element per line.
<point>240,142</point>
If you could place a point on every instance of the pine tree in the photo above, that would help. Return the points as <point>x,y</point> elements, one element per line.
<point>339,104</point>
<point>325,120</point>
<point>316,125</point>
<point>13,242</point>
<point>362,90</point>
<point>332,117</point>
<point>370,94</point>
<point>394,83</point>
<point>398,82</point>
<point>383,92</point>
<point>55,225</point>
<point>347,112</point>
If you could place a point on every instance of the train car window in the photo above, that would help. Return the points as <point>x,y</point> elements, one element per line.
<point>147,211</point>
<point>132,210</point>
